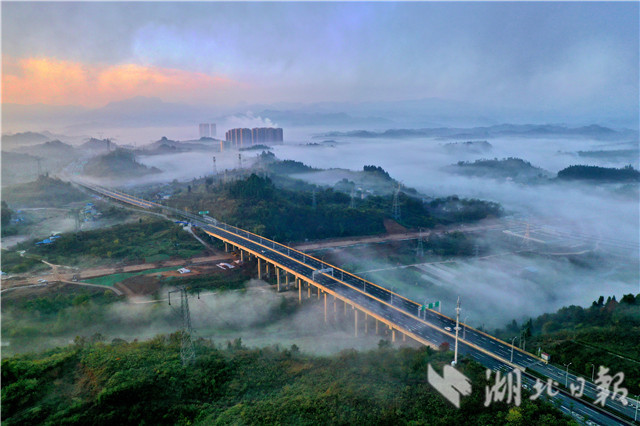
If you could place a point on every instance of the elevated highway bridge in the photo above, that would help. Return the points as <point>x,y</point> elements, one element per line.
<point>371,305</point>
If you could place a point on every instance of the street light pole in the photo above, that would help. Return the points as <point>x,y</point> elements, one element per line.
<point>566,376</point>
<point>512,340</point>
<point>455,353</point>
<point>593,370</point>
<point>635,419</point>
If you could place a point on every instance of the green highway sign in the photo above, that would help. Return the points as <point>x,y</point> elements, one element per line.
<point>204,212</point>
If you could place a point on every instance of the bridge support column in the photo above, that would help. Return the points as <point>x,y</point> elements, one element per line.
<point>241,255</point>
<point>299,290</point>
<point>318,292</point>
<point>366,323</point>
<point>325,308</point>
<point>226,247</point>
<point>259,268</point>
<point>356,321</point>
<point>404,337</point>
<point>278,278</point>
<point>308,290</point>
<point>286,274</point>
<point>376,326</point>
<point>345,308</point>
<point>267,269</point>
<point>393,335</point>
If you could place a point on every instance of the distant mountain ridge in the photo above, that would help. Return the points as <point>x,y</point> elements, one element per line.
<point>53,148</point>
<point>521,130</point>
<point>117,164</point>
<point>601,174</point>
<point>94,144</point>
<point>25,138</point>
<point>169,146</point>
<point>511,168</point>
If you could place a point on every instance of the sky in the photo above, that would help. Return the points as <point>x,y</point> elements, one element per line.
<point>539,55</point>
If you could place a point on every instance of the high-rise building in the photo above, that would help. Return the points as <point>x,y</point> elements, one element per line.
<point>205,130</point>
<point>214,131</point>
<point>240,138</point>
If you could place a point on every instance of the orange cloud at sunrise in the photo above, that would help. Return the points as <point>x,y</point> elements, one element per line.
<point>58,82</point>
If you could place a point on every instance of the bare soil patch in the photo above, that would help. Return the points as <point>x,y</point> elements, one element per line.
<point>393,227</point>
<point>140,285</point>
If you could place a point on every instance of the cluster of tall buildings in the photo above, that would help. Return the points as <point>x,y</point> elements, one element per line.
<point>207,130</point>
<point>239,138</point>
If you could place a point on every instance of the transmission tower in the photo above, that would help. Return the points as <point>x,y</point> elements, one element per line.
<point>215,169</point>
<point>240,161</point>
<point>420,249</point>
<point>352,203</point>
<point>187,353</point>
<point>396,204</point>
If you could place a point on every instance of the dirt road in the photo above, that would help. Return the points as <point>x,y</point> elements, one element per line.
<point>81,274</point>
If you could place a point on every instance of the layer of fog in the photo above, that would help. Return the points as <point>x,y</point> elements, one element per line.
<point>577,211</point>
<point>253,315</point>
<point>510,281</point>
<point>418,163</point>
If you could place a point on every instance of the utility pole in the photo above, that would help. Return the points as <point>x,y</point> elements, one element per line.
<point>240,161</point>
<point>215,169</point>
<point>455,353</point>
<point>187,352</point>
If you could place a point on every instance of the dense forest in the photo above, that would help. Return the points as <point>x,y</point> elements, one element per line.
<point>117,164</point>
<point>595,173</point>
<point>100,383</point>
<point>606,333</point>
<point>512,168</point>
<point>255,203</point>
<point>45,191</point>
